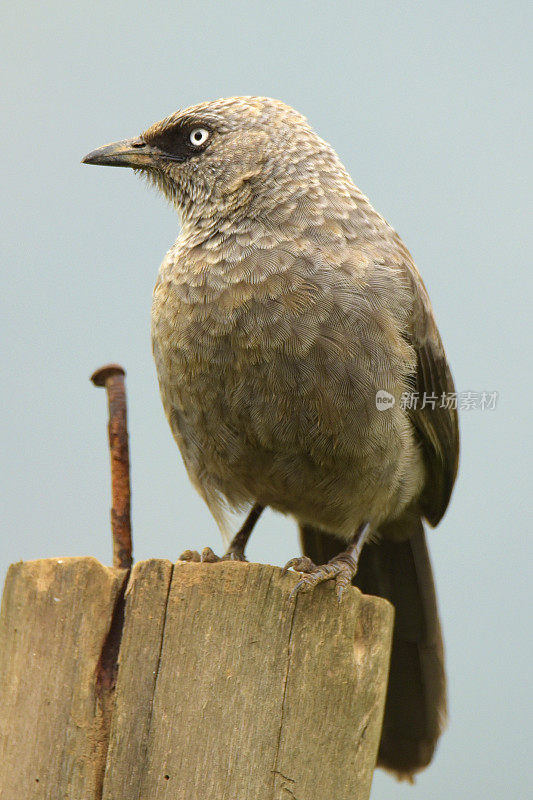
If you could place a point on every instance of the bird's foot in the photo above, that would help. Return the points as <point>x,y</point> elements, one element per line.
<point>207,556</point>
<point>300,564</point>
<point>234,555</point>
<point>341,569</point>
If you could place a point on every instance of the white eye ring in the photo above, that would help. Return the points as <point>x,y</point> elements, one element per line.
<point>198,136</point>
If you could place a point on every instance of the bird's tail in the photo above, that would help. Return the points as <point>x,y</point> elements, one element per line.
<point>400,571</point>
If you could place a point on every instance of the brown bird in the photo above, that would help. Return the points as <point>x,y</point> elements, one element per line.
<point>301,368</point>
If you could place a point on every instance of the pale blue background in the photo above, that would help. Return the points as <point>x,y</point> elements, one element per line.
<point>428,106</point>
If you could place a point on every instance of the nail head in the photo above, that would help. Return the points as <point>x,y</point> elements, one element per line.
<point>100,376</point>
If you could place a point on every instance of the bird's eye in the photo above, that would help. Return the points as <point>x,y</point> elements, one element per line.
<point>198,136</point>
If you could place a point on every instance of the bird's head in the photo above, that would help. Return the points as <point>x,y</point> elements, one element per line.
<point>220,157</point>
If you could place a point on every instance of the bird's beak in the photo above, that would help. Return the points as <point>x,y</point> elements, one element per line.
<point>135,153</point>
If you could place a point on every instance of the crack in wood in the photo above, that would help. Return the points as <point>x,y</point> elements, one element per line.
<point>286,680</point>
<point>106,678</point>
<point>107,667</point>
<point>284,787</point>
<point>158,667</point>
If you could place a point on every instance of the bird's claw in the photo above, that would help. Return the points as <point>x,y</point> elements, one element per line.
<point>234,555</point>
<point>341,569</point>
<point>299,564</point>
<point>207,556</point>
<point>190,555</point>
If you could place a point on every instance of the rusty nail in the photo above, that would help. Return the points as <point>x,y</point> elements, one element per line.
<point>112,377</point>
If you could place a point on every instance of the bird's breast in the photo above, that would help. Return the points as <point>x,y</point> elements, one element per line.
<point>280,347</point>
<point>272,374</point>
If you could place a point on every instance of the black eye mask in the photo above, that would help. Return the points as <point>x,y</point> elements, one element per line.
<point>175,142</point>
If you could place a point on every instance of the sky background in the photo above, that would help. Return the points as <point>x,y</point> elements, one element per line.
<point>428,106</point>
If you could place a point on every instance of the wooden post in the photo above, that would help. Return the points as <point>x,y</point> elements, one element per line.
<point>54,693</point>
<point>227,689</point>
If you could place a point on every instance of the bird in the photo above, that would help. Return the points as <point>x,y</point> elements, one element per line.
<point>301,368</point>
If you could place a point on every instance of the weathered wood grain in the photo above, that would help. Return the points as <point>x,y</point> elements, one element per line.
<point>146,604</point>
<point>227,688</point>
<point>334,699</point>
<point>251,695</point>
<point>54,622</point>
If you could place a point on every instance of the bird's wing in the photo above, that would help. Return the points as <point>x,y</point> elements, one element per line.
<point>435,420</point>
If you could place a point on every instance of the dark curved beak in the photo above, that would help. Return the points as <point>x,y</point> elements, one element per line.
<point>135,153</point>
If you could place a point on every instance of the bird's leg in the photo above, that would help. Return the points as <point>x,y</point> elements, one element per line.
<point>341,568</point>
<point>235,551</point>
